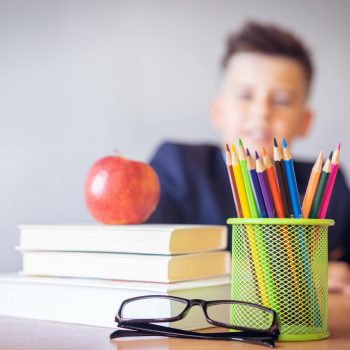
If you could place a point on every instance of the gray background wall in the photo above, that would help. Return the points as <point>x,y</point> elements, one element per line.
<point>81,78</point>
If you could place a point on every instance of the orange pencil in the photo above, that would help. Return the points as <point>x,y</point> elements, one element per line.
<point>312,186</point>
<point>271,177</point>
<point>233,182</point>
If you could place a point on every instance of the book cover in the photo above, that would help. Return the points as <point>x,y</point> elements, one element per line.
<point>146,238</point>
<point>95,302</point>
<point>138,267</point>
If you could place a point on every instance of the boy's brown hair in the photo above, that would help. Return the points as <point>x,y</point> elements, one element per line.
<point>271,40</point>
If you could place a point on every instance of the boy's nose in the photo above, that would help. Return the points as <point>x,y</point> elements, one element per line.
<point>261,111</point>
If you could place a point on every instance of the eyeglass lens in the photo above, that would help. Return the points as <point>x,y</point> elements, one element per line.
<point>153,308</point>
<point>236,314</point>
<point>242,315</point>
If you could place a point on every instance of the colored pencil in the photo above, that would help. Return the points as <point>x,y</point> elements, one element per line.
<point>321,188</point>
<point>247,184</point>
<point>312,186</point>
<point>257,264</point>
<point>287,208</point>
<point>330,183</point>
<point>233,182</point>
<point>267,248</point>
<point>282,180</point>
<point>271,177</point>
<point>240,183</point>
<point>264,187</point>
<point>296,208</point>
<point>256,186</point>
<point>291,180</point>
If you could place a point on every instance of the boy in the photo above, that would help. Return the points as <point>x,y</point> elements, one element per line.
<point>267,74</point>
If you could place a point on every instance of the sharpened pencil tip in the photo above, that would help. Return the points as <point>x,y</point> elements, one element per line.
<point>338,147</point>
<point>256,155</point>
<point>330,155</point>
<point>275,142</point>
<point>233,148</point>
<point>227,147</point>
<point>247,152</point>
<point>263,151</point>
<point>284,143</point>
<point>240,143</point>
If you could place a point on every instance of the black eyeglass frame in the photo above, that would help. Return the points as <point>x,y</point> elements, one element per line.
<point>149,329</point>
<point>273,330</point>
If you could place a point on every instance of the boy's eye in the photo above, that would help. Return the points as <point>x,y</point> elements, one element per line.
<point>282,99</point>
<point>245,95</point>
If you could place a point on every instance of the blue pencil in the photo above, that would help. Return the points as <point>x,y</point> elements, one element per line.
<point>296,208</point>
<point>291,180</point>
<point>256,186</point>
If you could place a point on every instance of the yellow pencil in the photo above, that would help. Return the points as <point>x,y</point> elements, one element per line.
<point>246,179</point>
<point>256,263</point>
<point>240,183</point>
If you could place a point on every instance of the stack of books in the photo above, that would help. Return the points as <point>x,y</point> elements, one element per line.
<point>82,273</point>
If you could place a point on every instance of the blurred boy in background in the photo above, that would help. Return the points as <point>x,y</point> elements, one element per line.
<point>266,80</point>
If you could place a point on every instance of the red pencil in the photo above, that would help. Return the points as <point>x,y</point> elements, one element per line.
<point>329,187</point>
<point>271,177</point>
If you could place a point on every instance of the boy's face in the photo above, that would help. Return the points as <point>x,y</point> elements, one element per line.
<point>261,97</point>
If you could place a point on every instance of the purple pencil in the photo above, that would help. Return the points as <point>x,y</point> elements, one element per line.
<point>256,186</point>
<point>264,185</point>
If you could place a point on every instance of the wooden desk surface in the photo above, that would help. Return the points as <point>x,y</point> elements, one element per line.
<point>21,334</point>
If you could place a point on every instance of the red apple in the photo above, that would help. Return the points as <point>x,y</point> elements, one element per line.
<point>121,191</point>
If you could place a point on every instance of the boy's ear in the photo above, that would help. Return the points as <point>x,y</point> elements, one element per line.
<point>306,122</point>
<point>216,112</point>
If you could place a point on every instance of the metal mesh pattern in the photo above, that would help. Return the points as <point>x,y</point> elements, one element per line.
<point>283,267</point>
<point>250,317</point>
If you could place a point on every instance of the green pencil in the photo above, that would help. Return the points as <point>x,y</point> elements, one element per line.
<point>246,179</point>
<point>321,188</point>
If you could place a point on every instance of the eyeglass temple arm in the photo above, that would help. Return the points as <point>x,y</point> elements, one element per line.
<point>158,328</point>
<point>122,333</point>
<point>269,342</point>
<point>138,333</point>
<point>147,329</point>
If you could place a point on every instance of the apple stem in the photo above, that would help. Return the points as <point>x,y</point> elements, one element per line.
<point>117,153</point>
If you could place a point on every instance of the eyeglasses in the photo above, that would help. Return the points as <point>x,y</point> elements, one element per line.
<point>248,322</point>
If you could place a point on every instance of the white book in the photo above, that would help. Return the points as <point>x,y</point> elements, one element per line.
<point>146,238</point>
<point>95,302</point>
<point>132,267</point>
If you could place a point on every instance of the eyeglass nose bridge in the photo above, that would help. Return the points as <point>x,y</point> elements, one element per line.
<point>198,302</point>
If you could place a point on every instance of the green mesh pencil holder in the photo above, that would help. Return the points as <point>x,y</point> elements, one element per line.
<point>283,264</point>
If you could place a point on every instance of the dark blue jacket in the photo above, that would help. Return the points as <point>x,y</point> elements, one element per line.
<point>195,189</point>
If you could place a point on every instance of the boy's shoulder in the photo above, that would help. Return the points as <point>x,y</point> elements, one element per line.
<point>173,151</point>
<point>171,146</point>
<point>185,160</point>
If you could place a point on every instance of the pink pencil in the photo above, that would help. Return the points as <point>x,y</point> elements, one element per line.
<point>329,187</point>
